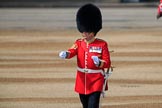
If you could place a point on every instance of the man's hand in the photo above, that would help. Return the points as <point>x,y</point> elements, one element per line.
<point>63,54</point>
<point>96,60</point>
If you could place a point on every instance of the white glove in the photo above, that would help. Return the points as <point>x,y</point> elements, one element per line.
<point>96,60</point>
<point>63,54</point>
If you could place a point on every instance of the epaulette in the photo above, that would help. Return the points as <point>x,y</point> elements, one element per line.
<point>80,39</point>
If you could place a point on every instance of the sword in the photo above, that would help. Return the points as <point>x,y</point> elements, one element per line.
<point>106,76</point>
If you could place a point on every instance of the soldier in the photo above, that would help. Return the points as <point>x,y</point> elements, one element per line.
<point>159,14</point>
<point>92,56</point>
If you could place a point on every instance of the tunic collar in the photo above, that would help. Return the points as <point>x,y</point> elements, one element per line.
<point>90,41</point>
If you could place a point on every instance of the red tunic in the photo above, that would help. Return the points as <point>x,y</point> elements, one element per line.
<point>92,80</point>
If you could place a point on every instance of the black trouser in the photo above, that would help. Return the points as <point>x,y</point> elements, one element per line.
<point>91,100</point>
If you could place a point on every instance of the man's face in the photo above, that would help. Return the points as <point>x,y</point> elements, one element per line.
<point>88,36</point>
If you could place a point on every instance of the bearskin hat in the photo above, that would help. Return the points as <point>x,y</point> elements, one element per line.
<point>89,18</point>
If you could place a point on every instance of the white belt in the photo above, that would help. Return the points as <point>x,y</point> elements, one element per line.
<point>89,70</point>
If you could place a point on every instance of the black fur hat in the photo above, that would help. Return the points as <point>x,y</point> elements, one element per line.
<point>89,18</point>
